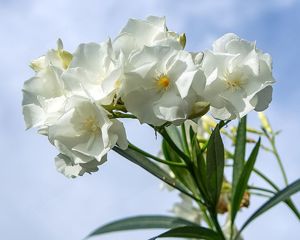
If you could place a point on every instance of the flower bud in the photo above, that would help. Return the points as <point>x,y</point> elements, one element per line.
<point>199,109</point>
<point>245,200</point>
<point>265,122</point>
<point>182,40</point>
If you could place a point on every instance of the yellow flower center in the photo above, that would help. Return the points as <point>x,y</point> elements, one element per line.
<point>163,82</point>
<point>234,80</point>
<point>90,124</point>
<point>118,84</point>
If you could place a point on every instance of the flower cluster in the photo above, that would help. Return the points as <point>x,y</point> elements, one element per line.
<point>77,98</point>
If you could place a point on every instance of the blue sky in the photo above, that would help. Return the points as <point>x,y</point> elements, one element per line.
<point>39,203</point>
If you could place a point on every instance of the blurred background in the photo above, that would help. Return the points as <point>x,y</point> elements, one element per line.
<point>37,202</point>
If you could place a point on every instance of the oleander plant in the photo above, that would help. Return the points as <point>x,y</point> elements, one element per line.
<point>193,101</point>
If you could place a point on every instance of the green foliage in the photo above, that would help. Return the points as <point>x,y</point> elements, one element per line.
<point>190,232</point>
<point>199,173</point>
<point>243,182</point>
<point>240,152</point>
<point>151,167</point>
<point>281,196</point>
<point>199,166</point>
<point>183,175</point>
<point>214,167</point>
<point>141,222</point>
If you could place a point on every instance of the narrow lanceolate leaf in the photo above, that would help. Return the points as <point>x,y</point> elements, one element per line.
<point>214,166</point>
<point>240,151</point>
<point>281,196</point>
<point>243,182</point>
<point>289,201</point>
<point>151,167</point>
<point>200,166</point>
<point>141,222</point>
<point>175,135</point>
<point>184,139</point>
<point>183,175</point>
<point>190,232</point>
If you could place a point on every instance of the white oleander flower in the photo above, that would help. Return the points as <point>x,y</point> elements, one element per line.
<point>58,58</point>
<point>150,32</point>
<point>66,166</point>
<point>43,98</point>
<point>239,77</point>
<point>186,209</point>
<point>94,73</point>
<point>84,134</point>
<point>160,83</point>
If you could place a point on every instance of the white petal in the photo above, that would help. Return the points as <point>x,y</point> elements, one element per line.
<point>93,147</point>
<point>89,56</point>
<point>220,44</point>
<point>65,166</point>
<point>34,115</point>
<point>171,107</point>
<point>239,46</point>
<point>262,99</point>
<point>140,103</point>
<point>159,22</point>
<point>142,30</point>
<point>47,83</point>
<point>125,43</point>
<point>118,129</point>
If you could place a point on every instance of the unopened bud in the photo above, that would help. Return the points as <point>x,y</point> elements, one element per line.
<point>265,122</point>
<point>223,203</point>
<point>246,200</point>
<point>182,40</point>
<point>199,109</point>
<point>59,44</point>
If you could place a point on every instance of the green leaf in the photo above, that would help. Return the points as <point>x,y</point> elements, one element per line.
<point>181,174</point>
<point>184,139</point>
<point>282,195</point>
<point>200,166</point>
<point>175,135</point>
<point>141,222</point>
<point>214,166</point>
<point>293,207</point>
<point>243,182</point>
<point>151,167</point>
<point>239,153</point>
<point>190,232</point>
<point>288,202</point>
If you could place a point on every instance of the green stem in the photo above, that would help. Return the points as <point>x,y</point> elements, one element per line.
<point>123,115</point>
<point>278,158</point>
<point>117,107</point>
<point>264,177</point>
<point>185,142</point>
<point>276,154</point>
<point>204,147</point>
<point>261,189</point>
<point>212,213</point>
<point>289,201</point>
<point>206,217</point>
<point>166,136</point>
<point>260,194</point>
<point>221,125</point>
<point>168,139</point>
<point>176,164</point>
<point>217,225</point>
<point>189,164</point>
